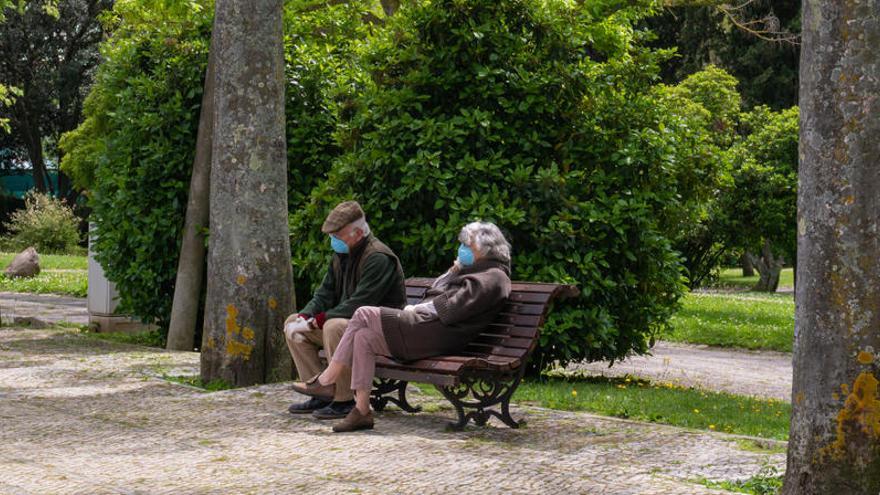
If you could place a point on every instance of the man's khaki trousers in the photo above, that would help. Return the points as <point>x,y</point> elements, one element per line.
<point>304,348</point>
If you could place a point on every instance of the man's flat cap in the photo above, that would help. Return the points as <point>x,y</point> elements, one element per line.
<point>344,213</point>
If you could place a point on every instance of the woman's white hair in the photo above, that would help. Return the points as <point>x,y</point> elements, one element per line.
<point>488,239</point>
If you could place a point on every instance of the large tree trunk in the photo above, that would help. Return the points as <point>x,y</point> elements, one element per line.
<point>834,444</point>
<point>769,269</point>
<point>249,273</point>
<point>191,264</point>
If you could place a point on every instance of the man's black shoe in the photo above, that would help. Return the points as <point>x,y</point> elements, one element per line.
<point>311,405</point>
<point>334,410</point>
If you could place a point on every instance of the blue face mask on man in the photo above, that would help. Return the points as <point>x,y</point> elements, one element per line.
<point>465,255</point>
<point>338,245</point>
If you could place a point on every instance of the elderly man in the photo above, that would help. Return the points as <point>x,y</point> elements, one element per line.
<point>362,272</point>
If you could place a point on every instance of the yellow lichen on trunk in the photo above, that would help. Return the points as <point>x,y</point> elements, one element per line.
<point>859,420</point>
<point>234,348</point>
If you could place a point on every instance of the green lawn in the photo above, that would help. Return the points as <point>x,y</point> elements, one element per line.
<point>750,320</point>
<point>59,274</point>
<point>732,278</point>
<point>661,403</point>
<point>53,261</point>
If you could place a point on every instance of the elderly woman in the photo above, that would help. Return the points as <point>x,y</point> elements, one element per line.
<point>459,304</point>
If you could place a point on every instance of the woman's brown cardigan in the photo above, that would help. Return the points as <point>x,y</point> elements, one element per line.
<point>466,305</point>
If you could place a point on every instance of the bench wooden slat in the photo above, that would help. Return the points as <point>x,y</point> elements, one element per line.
<point>504,340</point>
<point>529,297</point>
<point>417,376</point>
<point>523,309</point>
<point>513,331</point>
<point>496,350</point>
<point>432,365</point>
<point>519,320</point>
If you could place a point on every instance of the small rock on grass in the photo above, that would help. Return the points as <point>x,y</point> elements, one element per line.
<point>25,264</point>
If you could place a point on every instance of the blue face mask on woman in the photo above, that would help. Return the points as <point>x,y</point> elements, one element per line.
<point>338,245</point>
<point>465,255</point>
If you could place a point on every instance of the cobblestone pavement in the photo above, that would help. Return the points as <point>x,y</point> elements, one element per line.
<point>80,415</point>
<point>759,373</point>
<point>41,309</point>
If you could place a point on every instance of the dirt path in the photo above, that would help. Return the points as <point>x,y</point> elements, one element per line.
<point>758,373</point>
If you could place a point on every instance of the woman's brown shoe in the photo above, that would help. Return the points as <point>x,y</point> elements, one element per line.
<point>355,421</point>
<point>315,389</point>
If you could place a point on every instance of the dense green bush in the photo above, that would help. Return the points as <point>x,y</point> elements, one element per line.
<point>541,117</point>
<point>133,153</point>
<point>45,223</point>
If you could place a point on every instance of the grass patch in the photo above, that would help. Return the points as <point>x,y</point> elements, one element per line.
<point>732,278</point>
<point>71,283</point>
<point>767,482</point>
<point>53,261</point>
<point>759,446</point>
<point>749,320</point>
<point>661,403</point>
<point>150,338</point>
<point>196,381</point>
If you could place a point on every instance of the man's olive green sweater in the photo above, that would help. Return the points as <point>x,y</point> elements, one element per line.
<point>370,275</point>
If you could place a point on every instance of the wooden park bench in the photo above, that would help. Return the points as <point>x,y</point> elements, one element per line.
<point>484,374</point>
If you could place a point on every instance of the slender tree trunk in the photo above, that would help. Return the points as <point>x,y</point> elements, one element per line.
<point>250,282</point>
<point>191,265</point>
<point>747,267</point>
<point>834,444</point>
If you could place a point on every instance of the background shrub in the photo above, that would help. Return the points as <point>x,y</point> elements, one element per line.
<point>45,223</point>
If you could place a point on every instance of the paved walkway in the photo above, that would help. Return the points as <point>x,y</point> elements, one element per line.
<point>80,415</point>
<point>42,309</point>
<point>759,373</point>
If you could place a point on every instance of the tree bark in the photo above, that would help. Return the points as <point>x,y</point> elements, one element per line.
<point>191,264</point>
<point>33,139</point>
<point>834,444</point>
<point>748,267</point>
<point>769,269</point>
<point>250,282</point>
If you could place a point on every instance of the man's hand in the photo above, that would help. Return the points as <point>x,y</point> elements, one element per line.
<point>296,324</point>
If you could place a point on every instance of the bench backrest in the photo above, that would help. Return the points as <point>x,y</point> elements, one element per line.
<point>509,340</point>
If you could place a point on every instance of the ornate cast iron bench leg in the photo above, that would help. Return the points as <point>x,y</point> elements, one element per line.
<point>480,393</point>
<point>382,386</point>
